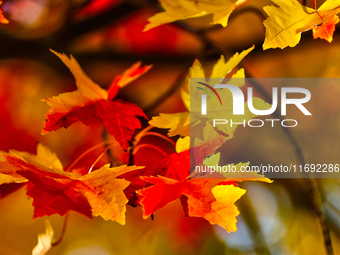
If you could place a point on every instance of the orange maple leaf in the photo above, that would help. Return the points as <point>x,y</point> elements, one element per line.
<point>326,30</point>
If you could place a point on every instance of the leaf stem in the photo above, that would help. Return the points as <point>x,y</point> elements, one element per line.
<point>314,4</point>
<point>63,231</point>
<point>100,156</point>
<point>87,152</point>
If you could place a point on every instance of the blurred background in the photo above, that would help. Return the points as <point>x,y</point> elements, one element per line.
<point>106,37</point>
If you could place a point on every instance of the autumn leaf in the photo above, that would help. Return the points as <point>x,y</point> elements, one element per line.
<point>210,142</point>
<point>201,201</point>
<point>179,123</point>
<point>44,240</point>
<point>54,191</point>
<point>90,103</point>
<point>224,211</point>
<point>207,197</point>
<point>286,22</point>
<point>6,179</point>
<point>44,158</point>
<point>216,111</point>
<point>326,30</point>
<point>106,196</point>
<point>2,17</point>
<point>181,9</point>
<point>127,77</point>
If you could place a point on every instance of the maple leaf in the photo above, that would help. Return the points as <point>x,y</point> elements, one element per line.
<point>326,30</point>
<point>210,198</point>
<point>224,211</point>
<point>2,17</point>
<point>90,103</point>
<point>209,143</point>
<point>179,123</point>
<point>192,121</point>
<point>182,9</point>
<point>200,202</point>
<point>44,240</point>
<point>98,193</point>
<point>44,158</point>
<point>286,22</point>
<point>106,196</point>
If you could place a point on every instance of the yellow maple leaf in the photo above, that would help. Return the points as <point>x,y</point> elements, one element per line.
<point>108,199</point>
<point>224,211</point>
<point>286,22</point>
<point>179,123</point>
<point>183,144</point>
<point>184,9</point>
<point>45,240</point>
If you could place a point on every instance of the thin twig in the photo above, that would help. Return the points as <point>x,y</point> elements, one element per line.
<point>100,156</point>
<point>313,189</point>
<point>85,153</point>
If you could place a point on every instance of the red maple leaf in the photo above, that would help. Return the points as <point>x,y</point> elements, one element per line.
<point>199,198</point>
<point>90,103</point>
<point>210,198</point>
<point>54,191</point>
<point>326,30</point>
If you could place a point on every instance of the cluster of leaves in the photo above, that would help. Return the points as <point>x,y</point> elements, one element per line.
<point>284,24</point>
<point>105,191</point>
